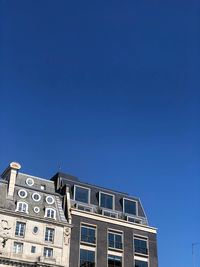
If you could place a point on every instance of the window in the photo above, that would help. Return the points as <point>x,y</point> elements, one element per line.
<point>88,209</point>
<point>114,240</point>
<point>22,207</point>
<point>20,229</point>
<point>36,209</point>
<point>106,201</point>
<point>33,249</point>
<point>88,234</point>
<point>141,263</point>
<point>18,248</point>
<point>87,258</point>
<point>129,206</point>
<point>35,230</point>
<point>49,199</point>
<point>140,245</point>
<point>29,181</point>
<point>50,213</point>
<point>49,234</point>
<point>22,193</point>
<point>130,219</point>
<point>36,197</point>
<point>48,252</point>
<point>82,194</point>
<point>114,261</point>
<point>109,214</point>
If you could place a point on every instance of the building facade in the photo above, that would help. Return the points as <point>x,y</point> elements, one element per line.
<point>33,227</point>
<point>109,228</point>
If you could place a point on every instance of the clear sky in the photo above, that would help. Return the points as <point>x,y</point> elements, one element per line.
<point>109,91</point>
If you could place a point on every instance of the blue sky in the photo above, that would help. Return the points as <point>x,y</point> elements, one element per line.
<point>109,91</point>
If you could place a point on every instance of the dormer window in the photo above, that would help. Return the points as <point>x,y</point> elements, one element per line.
<point>29,182</point>
<point>22,193</point>
<point>81,194</point>
<point>22,207</point>
<point>50,213</point>
<point>106,200</point>
<point>36,197</point>
<point>129,206</point>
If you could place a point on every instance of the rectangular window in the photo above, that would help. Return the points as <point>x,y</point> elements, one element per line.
<point>130,219</point>
<point>115,240</point>
<point>110,214</point>
<point>88,234</point>
<point>106,201</point>
<point>20,229</point>
<point>140,245</point>
<point>18,248</point>
<point>48,252</point>
<point>87,258</point>
<point>114,261</point>
<point>49,234</point>
<point>141,263</point>
<point>33,248</point>
<point>82,194</point>
<point>129,206</point>
<point>88,209</point>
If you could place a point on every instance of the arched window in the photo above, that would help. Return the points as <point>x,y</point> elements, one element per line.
<point>22,207</point>
<point>50,213</point>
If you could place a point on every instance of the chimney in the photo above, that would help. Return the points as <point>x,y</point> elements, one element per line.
<point>10,175</point>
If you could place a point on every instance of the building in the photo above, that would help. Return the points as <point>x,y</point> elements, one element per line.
<point>109,228</point>
<point>33,228</point>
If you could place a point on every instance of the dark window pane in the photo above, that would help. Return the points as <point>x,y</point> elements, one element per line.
<point>140,246</point>
<point>115,240</point>
<point>88,235</point>
<point>129,207</point>
<point>81,194</point>
<point>87,258</point>
<point>106,201</point>
<point>114,261</point>
<point>141,264</point>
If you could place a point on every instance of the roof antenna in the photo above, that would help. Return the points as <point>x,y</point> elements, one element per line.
<point>59,168</point>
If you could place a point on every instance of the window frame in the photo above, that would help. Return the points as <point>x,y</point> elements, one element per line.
<point>48,249</point>
<point>37,200</point>
<point>143,238</point>
<point>115,232</point>
<point>22,202</point>
<point>15,248</point>
<point>113,200</point>
<point>22,190</point>
<point>111,212</point>
<point>136,219</point>
<point>18,234</point>
<point>83,187</point>
<point>110,253</point>
<point>136,206</point>
<point>91,249</point>
<point>89,226</point>
<point>85,207</point>
<point>47,237</point>
<point>51,209</point>
<point>141,260</point>
<point>53,200</point>
<point>33,249</point>
<point>30,179</point>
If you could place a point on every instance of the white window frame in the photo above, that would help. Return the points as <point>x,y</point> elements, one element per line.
<point>84,206</point>
<point>17,247</point>
<point>89,226</point>
<point>50,249</point>
<point>19,230</point>
<point>136,206</point>
<point>48,235</point>
<point>23,203</point>
<point>143,238</point>
<point>35,209</point>
<point>53,200</point>
<point>37,200</point>
<point>37,230</point>
<point>115,232</point>
<point>30,179</point>
<point>22,190</point>
<point>89,193</point>
<point>111,212</point>
<point>113,200</point>
<point>137,219</point>
<point>51,209</point>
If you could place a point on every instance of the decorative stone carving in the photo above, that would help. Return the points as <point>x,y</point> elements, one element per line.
<point>4,231</point>
<point>66,235</point>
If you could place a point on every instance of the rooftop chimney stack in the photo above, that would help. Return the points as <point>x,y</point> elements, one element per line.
<point>10,175</point>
